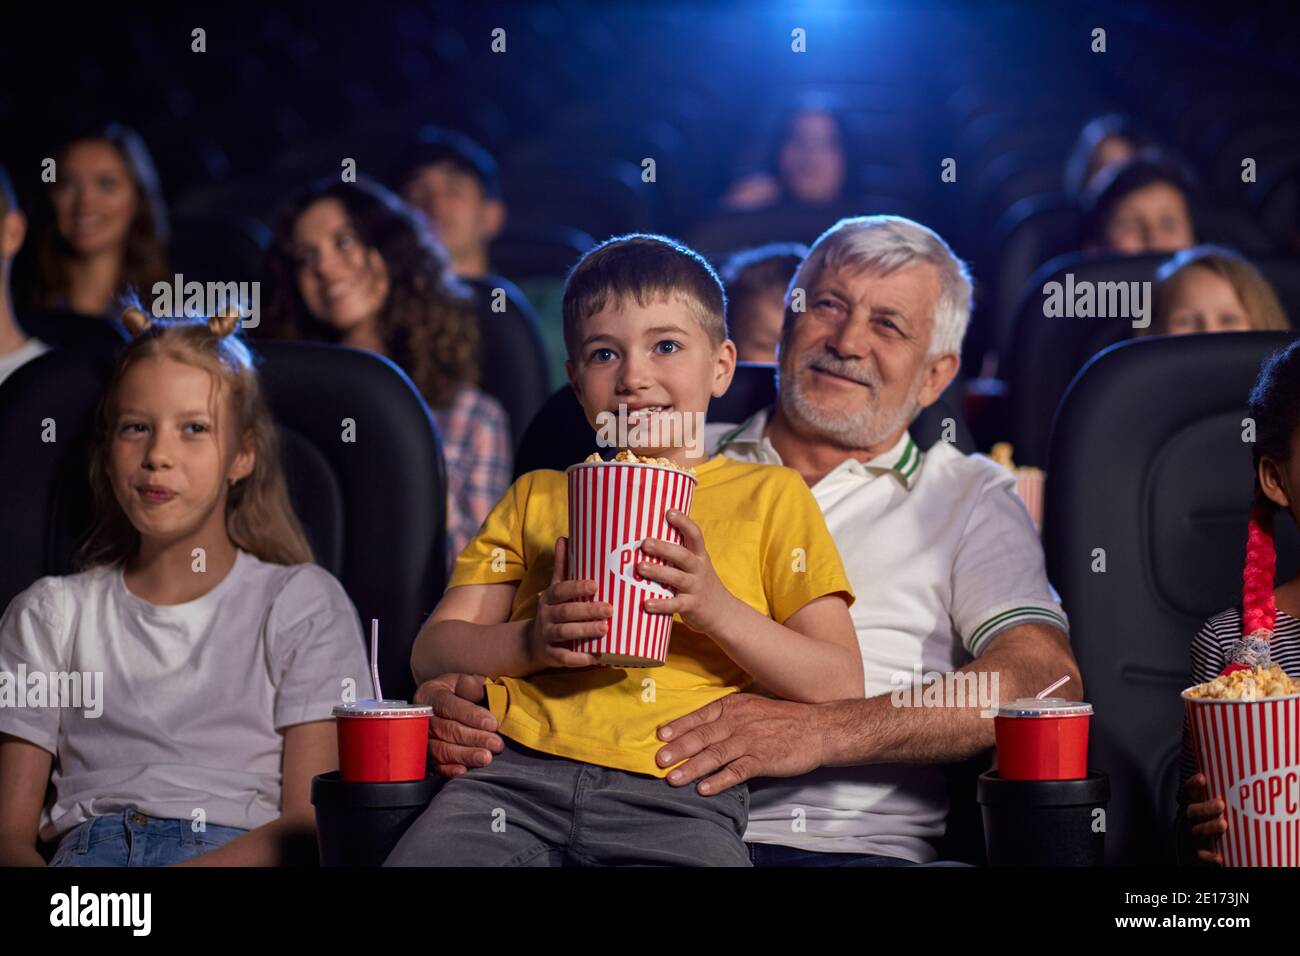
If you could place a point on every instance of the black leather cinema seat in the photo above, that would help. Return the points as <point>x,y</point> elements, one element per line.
<point>512,354</point>
<point>1148,464</point>
<point>561,436</point>
<point>65,329</point>
<point>374,509</point>
<point>1044,353</point>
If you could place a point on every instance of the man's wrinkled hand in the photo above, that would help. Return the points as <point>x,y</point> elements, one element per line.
<point>462,733</point>
<point>740,737</point>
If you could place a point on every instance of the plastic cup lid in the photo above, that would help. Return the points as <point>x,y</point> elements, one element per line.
<point>382,708</point>
<point>1045,707</point>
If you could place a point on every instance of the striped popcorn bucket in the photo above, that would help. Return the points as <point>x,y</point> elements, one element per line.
<point>613,507</point>
<point>1029,486</point>
<point>1249,751</point>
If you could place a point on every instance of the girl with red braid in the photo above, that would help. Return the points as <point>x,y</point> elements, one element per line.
<point>1265,628</point>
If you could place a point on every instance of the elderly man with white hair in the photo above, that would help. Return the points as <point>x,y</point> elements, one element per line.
<point>953,609</point>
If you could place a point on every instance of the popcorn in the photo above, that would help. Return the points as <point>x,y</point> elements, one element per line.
<point>1254,683</point>
<point>628,457</point>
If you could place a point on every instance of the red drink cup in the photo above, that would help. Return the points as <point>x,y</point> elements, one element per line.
<point>613,507</point>
<point>1043,739</point>
<point>1249,751</point>
<point>382,741</point>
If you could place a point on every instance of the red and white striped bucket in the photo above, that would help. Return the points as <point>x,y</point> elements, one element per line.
<point>1249,751</point>
<point>613,507</point>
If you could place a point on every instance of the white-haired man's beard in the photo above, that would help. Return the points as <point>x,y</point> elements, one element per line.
<point>866,427</point>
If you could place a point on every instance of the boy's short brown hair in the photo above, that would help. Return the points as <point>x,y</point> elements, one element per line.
<point>646,268</point>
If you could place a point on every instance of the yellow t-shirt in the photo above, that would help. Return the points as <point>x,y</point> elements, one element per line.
<point>769,544</point>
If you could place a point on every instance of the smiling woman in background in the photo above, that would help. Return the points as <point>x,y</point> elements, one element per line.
<point>103,226</point>
<point>350,263</point>
<point>809,157</point>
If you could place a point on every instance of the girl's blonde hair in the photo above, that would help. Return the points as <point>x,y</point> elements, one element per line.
<point>259,518</point>
<point>1263,310</point>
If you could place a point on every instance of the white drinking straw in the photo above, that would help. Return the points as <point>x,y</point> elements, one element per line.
<point>374,657</point>
<point>1043,693</point>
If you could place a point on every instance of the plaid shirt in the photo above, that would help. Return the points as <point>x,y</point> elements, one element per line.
<point>475,434</point>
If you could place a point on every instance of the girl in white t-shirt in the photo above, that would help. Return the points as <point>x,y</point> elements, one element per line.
<point>176,695</point>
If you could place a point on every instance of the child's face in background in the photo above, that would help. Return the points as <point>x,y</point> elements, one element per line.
<point>1154,218</point>
<point>654,359</point>
<point>171,450</point>
<point>343,283</point>
<point>756,326</point>
<point>1200,300</point>
<point>94,198</point>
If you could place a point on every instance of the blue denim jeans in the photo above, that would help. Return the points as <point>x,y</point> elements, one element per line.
<point>772,854</point>
<point>131,838</point>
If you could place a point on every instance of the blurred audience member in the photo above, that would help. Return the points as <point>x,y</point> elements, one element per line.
<point>16,348</point>
<point>1139,206</point>
<point>1103,142</point>
<point>351,263</point>
<point>809,158</point>
<point>1213,289</point>
<point>756,281</point>
<point>453,180</point>
<point>103,227</point>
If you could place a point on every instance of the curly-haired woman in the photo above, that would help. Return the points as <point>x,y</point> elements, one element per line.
<point>351,263</point>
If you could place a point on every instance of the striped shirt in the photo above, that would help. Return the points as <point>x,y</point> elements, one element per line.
<point>475,434</point>
<point>1210,654</point>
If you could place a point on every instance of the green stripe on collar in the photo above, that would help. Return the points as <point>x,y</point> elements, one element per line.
<point>909,461</point>
<point>729,436</point>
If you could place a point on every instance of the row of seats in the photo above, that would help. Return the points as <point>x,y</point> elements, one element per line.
<point>1149,476</point>
<point>1164,496</point>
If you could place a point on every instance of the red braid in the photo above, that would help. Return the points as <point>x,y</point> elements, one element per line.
<point>1258,605</point>
<point>1258,610</point>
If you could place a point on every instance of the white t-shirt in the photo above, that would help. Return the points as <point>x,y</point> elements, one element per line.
<point>942,555</point>
<point>10,361</point>
<point>192,698</point>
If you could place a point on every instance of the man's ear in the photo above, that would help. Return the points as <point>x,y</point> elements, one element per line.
<point>1273,482</point>
<point>939,374</point>
<point>493,218</point>
<point>724,368</point>
<point>13,230</point>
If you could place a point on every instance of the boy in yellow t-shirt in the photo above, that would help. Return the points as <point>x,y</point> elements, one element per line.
<point>761,597</point>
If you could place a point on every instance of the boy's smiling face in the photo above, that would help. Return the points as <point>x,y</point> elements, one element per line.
<point>653,358</point>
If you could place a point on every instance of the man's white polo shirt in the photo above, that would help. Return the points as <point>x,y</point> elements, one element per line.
<point>943,556</point>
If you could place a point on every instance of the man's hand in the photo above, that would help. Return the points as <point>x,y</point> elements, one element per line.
<point>702,599</point>
<point>740,737</point>
<point>1207,818</point>
<point>462,734</point>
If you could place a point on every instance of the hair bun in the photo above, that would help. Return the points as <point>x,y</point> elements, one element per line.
<point>135,320</point>
<point>225,322</point>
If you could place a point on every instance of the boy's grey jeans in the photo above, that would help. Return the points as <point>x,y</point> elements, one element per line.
<point>528,808</point>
